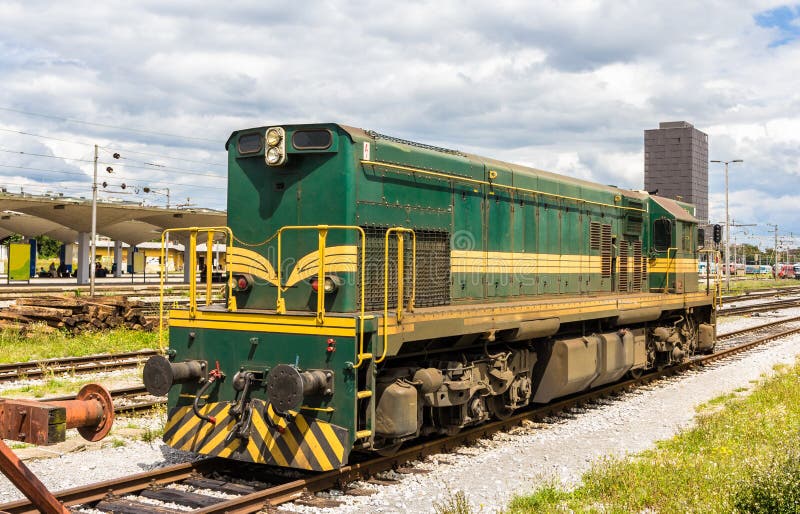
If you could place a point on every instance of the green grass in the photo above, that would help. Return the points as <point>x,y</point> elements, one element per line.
<point>455,503</point>
<point>753,284</point>
<point>17,347</point>
<point>741,457</point>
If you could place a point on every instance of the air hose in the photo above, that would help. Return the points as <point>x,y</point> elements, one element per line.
<point>213,376</point>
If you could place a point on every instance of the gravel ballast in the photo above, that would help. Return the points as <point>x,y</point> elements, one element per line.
<point>491,472</point>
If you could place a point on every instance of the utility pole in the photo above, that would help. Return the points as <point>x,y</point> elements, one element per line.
<point>94,227</point>
<point>776,247</point>
<point>727,227</point>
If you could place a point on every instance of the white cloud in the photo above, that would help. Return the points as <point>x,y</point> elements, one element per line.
<point>568,87</point>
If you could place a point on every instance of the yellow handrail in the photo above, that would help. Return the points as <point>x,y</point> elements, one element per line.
<point>193,231</point>
<point>400,265</point>
<point>669,265</point>
<point>322,233</point>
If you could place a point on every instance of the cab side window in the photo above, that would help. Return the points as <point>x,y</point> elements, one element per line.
<point>662,234</point>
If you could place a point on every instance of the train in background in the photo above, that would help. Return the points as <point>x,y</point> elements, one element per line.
<point>381,290</point>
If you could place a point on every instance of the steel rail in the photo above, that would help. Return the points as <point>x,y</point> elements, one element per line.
<point>85,364</point>
<point>760,307</point>
<point>293,489</point>
<point>120,486</point>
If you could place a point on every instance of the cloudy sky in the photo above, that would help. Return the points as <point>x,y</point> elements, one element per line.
<point>563,86</point>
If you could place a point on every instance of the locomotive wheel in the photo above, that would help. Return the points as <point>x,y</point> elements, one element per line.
<point>497,407</point>
<point>389,451</point>
<point>636,373</point>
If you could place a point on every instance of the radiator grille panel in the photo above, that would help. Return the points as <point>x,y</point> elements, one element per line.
<point>433,268</point>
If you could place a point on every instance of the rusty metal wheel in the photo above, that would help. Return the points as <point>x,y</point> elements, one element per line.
<point>497,407</point>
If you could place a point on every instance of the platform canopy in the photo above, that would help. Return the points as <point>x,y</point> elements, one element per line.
<point>63,218</point>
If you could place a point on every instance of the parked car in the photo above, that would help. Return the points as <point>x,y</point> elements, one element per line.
<point>785,271</point>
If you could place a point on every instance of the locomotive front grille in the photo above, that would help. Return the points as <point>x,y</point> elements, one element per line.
<point>432,267</point>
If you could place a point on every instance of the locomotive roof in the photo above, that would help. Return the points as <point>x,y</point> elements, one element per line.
<point>359,133</point>
<point>675,208</point>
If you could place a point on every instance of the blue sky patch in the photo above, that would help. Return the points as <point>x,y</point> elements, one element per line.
<point>786,19</point>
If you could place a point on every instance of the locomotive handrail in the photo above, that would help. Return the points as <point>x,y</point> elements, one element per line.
<point>322,233</point>
<point>669,265</point>
<point>717,276</point>
<point>193,231</point>
<point>400,265</point>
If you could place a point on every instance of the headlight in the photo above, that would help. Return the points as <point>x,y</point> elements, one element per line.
<point>273,137</point>
<point>276,146</point>
<point>274,155</point>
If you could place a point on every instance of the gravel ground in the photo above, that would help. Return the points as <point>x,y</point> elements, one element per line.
<point>491,472</point>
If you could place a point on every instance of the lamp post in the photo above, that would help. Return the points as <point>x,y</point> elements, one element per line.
<point>727,227</point>
<point>92,244</point>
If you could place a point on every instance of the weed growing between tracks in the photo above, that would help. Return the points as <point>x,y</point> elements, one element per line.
<point>743,455</point>
<point>36,345</point>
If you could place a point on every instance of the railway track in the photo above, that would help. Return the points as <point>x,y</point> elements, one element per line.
<point>784,303</point>
<point>87,364</point>
<point>771,293</point>
<point>218,485</point>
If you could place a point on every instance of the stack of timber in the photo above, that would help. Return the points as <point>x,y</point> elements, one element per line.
<point>75,314</point>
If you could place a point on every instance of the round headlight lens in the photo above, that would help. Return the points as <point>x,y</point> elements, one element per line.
<point>273,137</point>
<point>274,155</point>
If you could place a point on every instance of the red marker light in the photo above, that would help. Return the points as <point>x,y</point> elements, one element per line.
<point>242,283</point>
<point>314,284</point>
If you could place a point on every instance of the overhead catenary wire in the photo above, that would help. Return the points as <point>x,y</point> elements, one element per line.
<point>105,125</point>
<point>119,177</point>
<point>117,147</point>
<point>151,167</point>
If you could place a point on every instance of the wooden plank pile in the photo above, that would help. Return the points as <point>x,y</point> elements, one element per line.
<point>75,314</point>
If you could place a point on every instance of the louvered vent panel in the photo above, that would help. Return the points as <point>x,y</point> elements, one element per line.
<point>634,219</point>
<point>623,266</point>
<point>638,266</point>
<point>605,251</point>
<point>594,235</point>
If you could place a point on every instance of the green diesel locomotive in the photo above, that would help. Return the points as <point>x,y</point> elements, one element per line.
<point>382,289</point>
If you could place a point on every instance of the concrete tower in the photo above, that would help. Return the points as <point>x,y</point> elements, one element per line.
<point>676,164</point>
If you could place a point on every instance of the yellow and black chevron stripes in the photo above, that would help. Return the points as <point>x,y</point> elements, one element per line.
<point>338,259</point>
<point>301,442</point>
